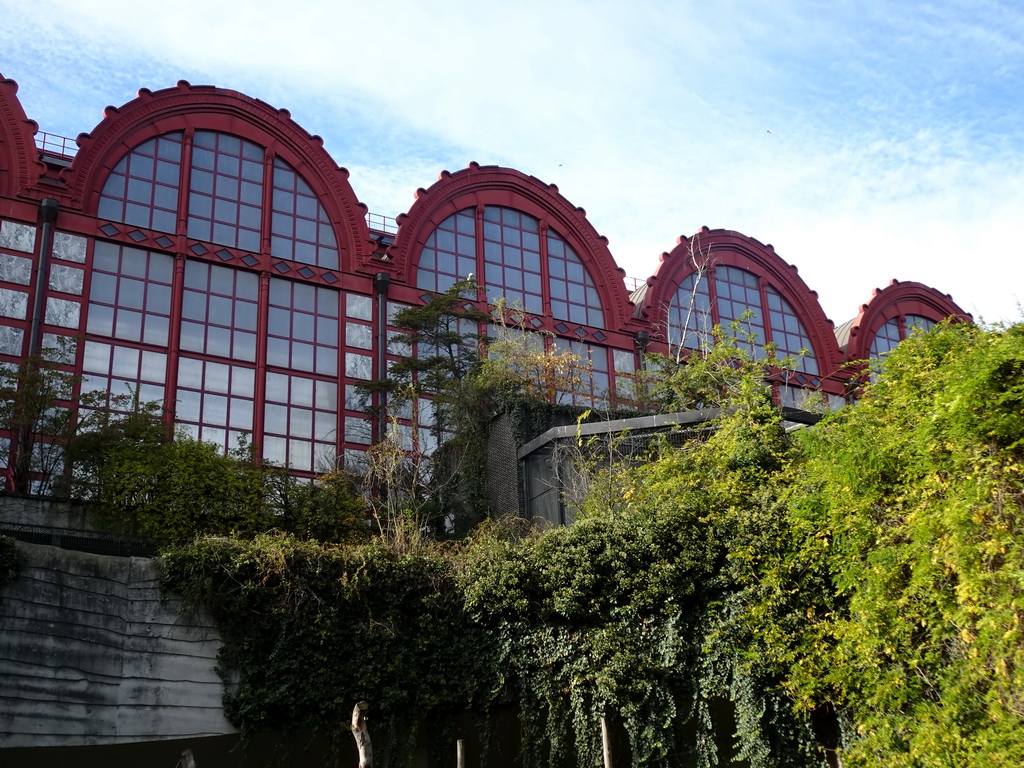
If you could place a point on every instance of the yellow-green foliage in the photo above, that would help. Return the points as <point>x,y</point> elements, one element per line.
<point>900,599</point>
<point>630,613</point>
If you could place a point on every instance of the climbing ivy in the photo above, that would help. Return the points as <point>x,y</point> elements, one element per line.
<point>310,629</point>
<point>737,594</point>
<point>631,614</point>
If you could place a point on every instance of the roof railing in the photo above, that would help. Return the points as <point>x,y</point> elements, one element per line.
<point>52,144</point>
<point>633,283</point>
<point>380,223</point>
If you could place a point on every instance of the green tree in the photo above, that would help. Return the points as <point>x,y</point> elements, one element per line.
<point>444,340</point>
<point>520,363</point>
<point>327,509</point>
<point>899,597</point>
<point>39,413</point>
<point>730,367</point>
<point>141,482</point>
<point>634,611</point>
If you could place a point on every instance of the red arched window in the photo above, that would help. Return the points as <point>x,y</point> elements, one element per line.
<point>510,257</point>
<point>896,330</point>
<point>239,195</point>
<point>219,273</point>
<point>892,315</point>
<point>726,296</point>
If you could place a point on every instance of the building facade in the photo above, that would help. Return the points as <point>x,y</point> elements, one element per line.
<point>205,251</point>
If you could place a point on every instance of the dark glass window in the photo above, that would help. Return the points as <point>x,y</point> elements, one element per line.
<point>215,401</point>
<point>689,314</point>
<point>788,334</point>
<point>573,293</point>
<point>300,229</point>
<point>895,330</point>
<point>130,294</point>
<point>449,254</point>
<point>511,265</point>
<point>302,331</point>
<point>592,387</point>
<point>699,304</point>
<point>226,197</point>
<point>300,422</point>
<point>240,194</point>
<point>124,372</point>
<point>737,292</point>
<point>143,187</point>
<point>219,311</point>
<point>225,202</point>
<point>918,322</point>
<point>509,261</point>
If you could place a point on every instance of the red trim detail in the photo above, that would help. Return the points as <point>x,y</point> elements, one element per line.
<point>20,167</point>
<point>728,248</point>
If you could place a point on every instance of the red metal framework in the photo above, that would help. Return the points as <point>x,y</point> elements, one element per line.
<point>478,187</point>
<point>189,108</point>
<point>19,165</point>
<point>211,253</point>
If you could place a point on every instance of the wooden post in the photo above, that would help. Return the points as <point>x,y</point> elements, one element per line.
<point>606,743</point>
<point>460,754</point>
<point>362,735</point>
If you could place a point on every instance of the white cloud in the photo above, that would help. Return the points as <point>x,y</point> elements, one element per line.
<point>865,141</point>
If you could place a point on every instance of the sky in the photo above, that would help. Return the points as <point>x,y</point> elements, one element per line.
<point>865,140</point>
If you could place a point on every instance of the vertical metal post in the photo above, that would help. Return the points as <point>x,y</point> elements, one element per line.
<point>381,281</point>
<point>48,208</point>
<point>641,339</point>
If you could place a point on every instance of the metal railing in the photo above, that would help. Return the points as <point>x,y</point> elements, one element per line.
<point>380,223</point>
<point>632,283</point>
<point>52,144</point>
<point>95,542</point>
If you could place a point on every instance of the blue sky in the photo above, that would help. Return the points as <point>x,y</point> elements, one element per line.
<point>865,140</point>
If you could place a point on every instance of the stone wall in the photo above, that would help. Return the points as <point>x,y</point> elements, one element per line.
<point>89,654</point>
<point>34,511</point>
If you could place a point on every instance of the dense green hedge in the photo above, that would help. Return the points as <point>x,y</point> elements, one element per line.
<point>631,614</point>
<point>870,569</point>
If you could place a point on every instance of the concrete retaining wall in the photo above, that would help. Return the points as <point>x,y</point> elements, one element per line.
<point>90,655</point>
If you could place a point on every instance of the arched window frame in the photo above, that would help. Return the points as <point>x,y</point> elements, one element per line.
<point>894,304</point>
<point>478,187</point>
<point>534,283</point>
<point>187,109</point>
<point>710,250</point>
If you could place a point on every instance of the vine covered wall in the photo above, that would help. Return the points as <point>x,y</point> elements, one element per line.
<point>850,592</point>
